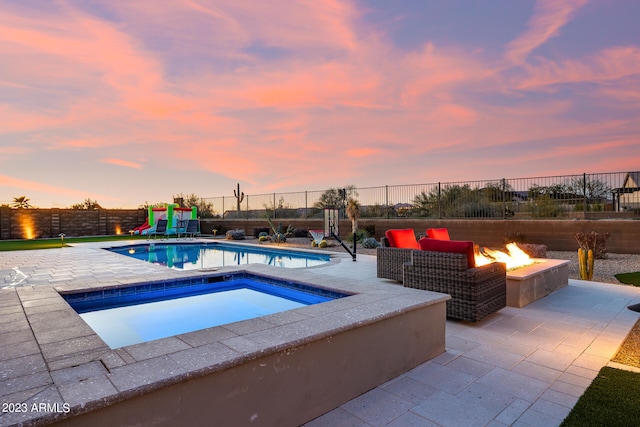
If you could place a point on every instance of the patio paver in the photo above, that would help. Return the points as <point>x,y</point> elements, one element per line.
<point>520,366</point>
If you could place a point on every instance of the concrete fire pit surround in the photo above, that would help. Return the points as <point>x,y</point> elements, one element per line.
<point>310,359</point>
<point>528,284</point>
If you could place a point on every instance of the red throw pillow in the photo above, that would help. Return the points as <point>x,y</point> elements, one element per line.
<point>402,239</point>
<point>438,233</point>
<point>454,246</point>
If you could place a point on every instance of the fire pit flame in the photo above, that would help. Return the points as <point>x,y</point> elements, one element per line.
<point>515,258</point>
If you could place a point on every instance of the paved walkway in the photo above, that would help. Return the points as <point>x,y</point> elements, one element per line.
<point>522,366</point>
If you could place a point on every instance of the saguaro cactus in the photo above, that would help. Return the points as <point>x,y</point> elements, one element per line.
<point>585,261</point>
<point>239,197</point>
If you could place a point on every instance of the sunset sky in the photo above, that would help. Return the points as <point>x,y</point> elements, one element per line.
<point>127,102</point>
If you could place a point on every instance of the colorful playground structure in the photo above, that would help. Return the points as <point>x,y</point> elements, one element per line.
<point>175,215</point>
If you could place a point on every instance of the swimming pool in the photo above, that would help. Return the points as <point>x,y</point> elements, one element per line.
<point>197,256</point>
<point>150,311</point>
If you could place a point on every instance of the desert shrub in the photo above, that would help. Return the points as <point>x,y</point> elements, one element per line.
<point>323,244</point>
<point>370,243</point>
<point>597,242</point>
<point>360,235</point>
<point>257,232</point>
<point>235,234</point>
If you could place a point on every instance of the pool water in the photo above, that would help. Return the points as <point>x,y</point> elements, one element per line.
<point>147,312</point>
<point>194,256</point>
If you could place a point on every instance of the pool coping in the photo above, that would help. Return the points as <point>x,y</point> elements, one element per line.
<point>68,367</point>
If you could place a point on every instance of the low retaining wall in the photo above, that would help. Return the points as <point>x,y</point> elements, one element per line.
<point>557,235</point>
<point>36,223</point>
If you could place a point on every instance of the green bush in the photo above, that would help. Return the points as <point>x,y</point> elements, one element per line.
<point>360,235</point>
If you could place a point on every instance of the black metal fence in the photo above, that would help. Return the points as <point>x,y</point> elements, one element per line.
<point>601,195</point>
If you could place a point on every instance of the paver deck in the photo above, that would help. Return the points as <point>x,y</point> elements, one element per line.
<point>522,366</point>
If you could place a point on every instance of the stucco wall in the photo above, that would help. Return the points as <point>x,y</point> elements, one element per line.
<point>556,234</point>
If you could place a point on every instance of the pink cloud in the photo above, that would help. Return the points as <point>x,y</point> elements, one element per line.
<point>123,163</point>
<point>609,64</point>
<point>549,16</point>
<point>38,187</point>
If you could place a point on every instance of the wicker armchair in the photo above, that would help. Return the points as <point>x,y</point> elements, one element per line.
<point>390,260</point>
<point>475,292</point>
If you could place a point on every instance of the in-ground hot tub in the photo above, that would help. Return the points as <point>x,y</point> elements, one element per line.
<point>150,311</point>
<point>281,369</point>
<point>528,284</point>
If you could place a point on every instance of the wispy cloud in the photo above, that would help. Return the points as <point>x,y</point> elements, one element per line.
<point>123,163</point>
<point>609,64</point>
<point>26,186</point>
<point>549,17</point>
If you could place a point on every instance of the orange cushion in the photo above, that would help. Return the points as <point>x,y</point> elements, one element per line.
<point>402,239</point>
<point>438,233</point>
<point>455,246</point>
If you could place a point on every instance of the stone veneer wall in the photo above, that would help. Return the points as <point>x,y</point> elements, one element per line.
<point>557,234</point>
<point>34,223</point>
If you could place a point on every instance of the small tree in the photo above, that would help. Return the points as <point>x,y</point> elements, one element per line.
<point>88,204</point>
<point>336,197</point>
<point>205,209</point>
<point>21,202</point>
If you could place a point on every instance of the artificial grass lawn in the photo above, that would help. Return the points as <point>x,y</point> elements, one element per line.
<point>629,278</point>
<point>612,399</point>
<point>21,245</point>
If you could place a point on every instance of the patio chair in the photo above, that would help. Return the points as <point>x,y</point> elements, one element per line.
<point>438,233</point>
<point>192,229</point>
<point>396,249</point>
<point>476,292</point>
<point>161,229</point>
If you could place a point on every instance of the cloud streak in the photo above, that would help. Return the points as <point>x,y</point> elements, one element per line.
<point>548,18</point>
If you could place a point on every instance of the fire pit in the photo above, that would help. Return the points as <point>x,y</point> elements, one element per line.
<point>528,279</point>
<point>535,281</point>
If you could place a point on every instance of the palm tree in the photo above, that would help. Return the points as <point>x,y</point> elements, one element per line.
<point>21,202</point>
<point>353,212</point>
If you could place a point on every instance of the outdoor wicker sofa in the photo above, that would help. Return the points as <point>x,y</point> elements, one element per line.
<point>475,292</point>
<point>390,261</point>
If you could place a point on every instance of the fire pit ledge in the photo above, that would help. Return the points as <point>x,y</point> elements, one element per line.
<point>528,284</point>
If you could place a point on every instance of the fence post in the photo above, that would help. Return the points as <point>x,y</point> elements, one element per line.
<point>274,205</point>
<point>504,198</point>
<point>584,194</point>
<point>386,200</point>
<point>247,206</point>
<point>439,204</point>
<point>306,205</point>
